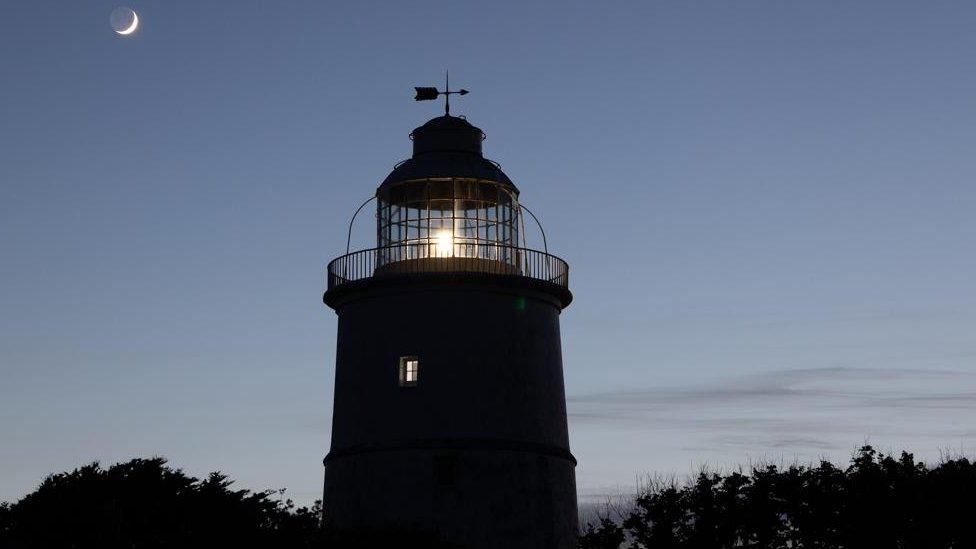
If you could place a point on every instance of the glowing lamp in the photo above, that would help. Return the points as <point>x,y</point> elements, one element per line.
<point>445,243</point>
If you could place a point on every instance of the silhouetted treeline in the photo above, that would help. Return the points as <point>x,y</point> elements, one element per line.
<point>146,504</point>
<point>878,501</point>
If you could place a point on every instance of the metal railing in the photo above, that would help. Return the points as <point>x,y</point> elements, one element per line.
<point>419,258</point>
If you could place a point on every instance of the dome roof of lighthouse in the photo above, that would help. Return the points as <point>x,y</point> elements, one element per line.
<point>447,122</point>
<point>447,146</point>
<point>447,133</point>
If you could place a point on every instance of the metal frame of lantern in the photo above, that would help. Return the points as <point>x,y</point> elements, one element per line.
<point>449,217</point>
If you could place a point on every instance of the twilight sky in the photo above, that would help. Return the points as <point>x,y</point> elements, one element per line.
<point>767,206</point>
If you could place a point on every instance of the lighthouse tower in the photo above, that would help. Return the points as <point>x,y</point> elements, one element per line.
<point>450,411</point>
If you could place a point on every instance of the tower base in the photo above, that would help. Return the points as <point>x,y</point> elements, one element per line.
<point>476,494</point>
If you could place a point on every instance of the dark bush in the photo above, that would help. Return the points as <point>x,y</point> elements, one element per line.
<point>878,501</point>
<point>146,504</point>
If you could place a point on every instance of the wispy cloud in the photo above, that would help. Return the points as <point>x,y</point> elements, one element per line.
<point>824,408</point>
<point>804,415</point>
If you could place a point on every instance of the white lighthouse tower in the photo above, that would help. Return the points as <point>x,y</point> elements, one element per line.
<point>450,410</point>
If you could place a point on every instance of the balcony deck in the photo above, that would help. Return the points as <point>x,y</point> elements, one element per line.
<point>419,259</point>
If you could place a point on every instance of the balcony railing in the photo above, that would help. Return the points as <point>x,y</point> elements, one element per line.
<point>413,259</point>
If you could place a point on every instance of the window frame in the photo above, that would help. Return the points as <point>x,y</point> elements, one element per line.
<point>404,378</point>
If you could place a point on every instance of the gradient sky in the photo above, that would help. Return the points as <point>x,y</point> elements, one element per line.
<point>767,205</point>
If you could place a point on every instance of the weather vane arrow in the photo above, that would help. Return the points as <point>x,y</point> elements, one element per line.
<point>430,93</point>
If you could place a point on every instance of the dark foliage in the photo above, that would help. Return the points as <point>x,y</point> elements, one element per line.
<point>145,504</point>
<point>604,535</point>
<point>878,501</point>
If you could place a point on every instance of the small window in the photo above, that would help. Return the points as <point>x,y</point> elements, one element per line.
<point>409,371</point>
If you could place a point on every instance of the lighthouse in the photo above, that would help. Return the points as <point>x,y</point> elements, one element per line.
<point>450,408</point>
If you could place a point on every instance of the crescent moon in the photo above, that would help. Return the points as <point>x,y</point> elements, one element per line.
<point>133,26</point>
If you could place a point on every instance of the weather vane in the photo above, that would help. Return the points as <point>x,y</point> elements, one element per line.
<point>428,94</point>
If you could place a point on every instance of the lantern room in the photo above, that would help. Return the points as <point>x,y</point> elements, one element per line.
<point>448,217</point>
<point>448,209</point>
<point>447,201</point>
